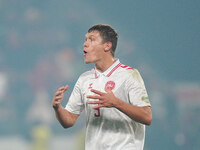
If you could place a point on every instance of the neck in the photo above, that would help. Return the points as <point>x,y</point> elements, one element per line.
<point>105,64</point>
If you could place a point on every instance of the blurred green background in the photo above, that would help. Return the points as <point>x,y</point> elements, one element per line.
<point>41,44</point>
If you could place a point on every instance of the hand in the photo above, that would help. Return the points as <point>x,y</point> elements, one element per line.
<point>107,99</point>
<point>58,97</point>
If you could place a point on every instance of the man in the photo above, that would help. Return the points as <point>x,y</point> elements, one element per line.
<point>113,96</point>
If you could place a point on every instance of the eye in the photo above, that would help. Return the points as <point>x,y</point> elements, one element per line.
<point>91,39</point>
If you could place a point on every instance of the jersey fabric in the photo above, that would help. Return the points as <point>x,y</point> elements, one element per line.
<point>109,128</point>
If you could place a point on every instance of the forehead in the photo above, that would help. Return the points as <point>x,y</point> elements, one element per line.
<point>94,33</point>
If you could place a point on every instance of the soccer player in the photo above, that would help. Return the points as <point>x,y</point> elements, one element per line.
<point>113,96</point>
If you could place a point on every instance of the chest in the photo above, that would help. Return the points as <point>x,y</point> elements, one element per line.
<point>114,83</point>
<point>101,83</point>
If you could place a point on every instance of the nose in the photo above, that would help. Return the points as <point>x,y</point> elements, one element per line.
<point>85,44</point>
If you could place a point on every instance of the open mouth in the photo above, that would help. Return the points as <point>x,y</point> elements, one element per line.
<point>84,52</point>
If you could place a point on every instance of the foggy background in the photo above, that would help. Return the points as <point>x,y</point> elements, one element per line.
<point>41,43</point>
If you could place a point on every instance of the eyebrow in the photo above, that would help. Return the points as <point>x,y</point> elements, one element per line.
<point>90,35</point>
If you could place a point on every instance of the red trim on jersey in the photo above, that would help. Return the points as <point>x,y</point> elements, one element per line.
<point>126,67</point>
<point>130,68</point>
<point>113,69</point>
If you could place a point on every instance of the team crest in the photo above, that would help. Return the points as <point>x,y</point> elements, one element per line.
<point>110,85</point>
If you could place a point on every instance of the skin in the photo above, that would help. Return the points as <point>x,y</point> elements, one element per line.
<point>65,118</point>
<point>98,52</point>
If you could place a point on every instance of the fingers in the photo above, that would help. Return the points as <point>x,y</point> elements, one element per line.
<point>97,92</point>
<point>58,93</point>
<point>100,104</point>
<point>95,102</point>
<point>108,90</point>
<point>61,90</point>
<point>94,96</point>
<point>58,97</point>
<point>102,99</point>
<point>99,96</point>
<point>66,88</point>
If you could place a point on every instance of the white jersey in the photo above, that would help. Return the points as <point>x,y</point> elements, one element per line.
<point>109,128</point>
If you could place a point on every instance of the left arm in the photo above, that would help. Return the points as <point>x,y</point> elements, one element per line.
<point>139,114</point>
<point>108,99</point>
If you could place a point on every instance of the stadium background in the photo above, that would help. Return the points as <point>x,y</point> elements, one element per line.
<point>41,46</point>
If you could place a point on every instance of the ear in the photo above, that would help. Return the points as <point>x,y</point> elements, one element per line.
<point>108,46</point>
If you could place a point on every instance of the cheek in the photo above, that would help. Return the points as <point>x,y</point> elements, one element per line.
<point>96,52</point>
<point>93,56</point>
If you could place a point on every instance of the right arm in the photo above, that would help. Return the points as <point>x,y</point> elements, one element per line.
<point>66,118</point>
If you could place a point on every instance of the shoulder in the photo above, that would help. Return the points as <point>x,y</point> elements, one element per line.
<point>128,70</point>
<point>84,77</point>
<point>87,74</point>
<point>131,73</point>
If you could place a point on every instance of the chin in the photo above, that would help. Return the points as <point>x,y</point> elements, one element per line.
<point>89,62</point>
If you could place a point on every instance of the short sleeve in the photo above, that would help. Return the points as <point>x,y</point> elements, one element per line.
<point>137,93</point>
<point>75,104</point>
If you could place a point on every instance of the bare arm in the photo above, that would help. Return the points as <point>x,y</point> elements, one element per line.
<point>139,114</point>
<point>66,118</point>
